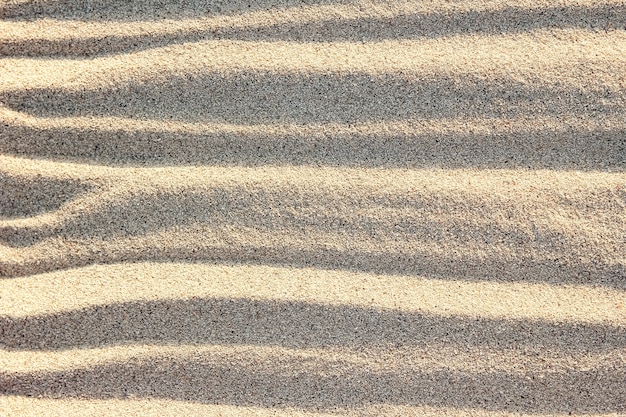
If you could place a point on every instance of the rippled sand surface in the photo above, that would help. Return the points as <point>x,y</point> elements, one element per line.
<point>307,208</point>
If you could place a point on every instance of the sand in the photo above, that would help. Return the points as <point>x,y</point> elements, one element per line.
<point>312,208</point>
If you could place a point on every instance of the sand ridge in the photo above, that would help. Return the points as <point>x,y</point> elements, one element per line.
<point>298,207</point>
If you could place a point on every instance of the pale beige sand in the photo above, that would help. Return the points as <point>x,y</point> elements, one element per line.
<point>312,208</point>
<point>167,408</point>
<point>95,285</point>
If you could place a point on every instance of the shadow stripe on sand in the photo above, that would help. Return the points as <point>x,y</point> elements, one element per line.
<point>243,224</point>
<point>399,229</point>
<point>95,10</point>
<point>303,325</point>
<point>571,148</point>
<point>263,97</point>
<point>517,269</point>
<point>246,379</point>
<point>24,196</point>
<point>370,28</point>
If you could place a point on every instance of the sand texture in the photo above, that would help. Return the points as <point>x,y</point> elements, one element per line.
<point>312,208</point>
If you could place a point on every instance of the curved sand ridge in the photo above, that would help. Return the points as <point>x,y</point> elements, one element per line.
<point>378,220</point>
<point>312,208</point>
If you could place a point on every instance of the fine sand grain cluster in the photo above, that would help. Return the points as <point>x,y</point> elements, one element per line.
<point>312,207</point>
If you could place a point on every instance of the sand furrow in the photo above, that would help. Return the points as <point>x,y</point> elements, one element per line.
<point>570,228</point>
<point>431,260</point>
<point>252,379</point>
<point>596,59</point>
<point>563,142</point>
<point>303,325</point>
<point>54,373</point>
<point>358,21</point>
<point>246,98</point>
<point>242,13</point>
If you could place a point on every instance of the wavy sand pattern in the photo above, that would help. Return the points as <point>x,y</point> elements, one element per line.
<point>312,208</point>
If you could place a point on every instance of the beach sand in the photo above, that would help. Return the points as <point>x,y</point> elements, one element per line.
<point>312,208</point>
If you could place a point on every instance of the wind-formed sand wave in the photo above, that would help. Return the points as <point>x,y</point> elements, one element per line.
<point>312,207</point>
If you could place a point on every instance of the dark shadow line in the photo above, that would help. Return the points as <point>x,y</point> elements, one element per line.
<point>518,269</point>
<point>30,196</point>
<point>141,10</point>
<point>278,382</point>
<point>409,26</point>
<point>269,97</point>
<point>301,324</point>
<point>568,149</point>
